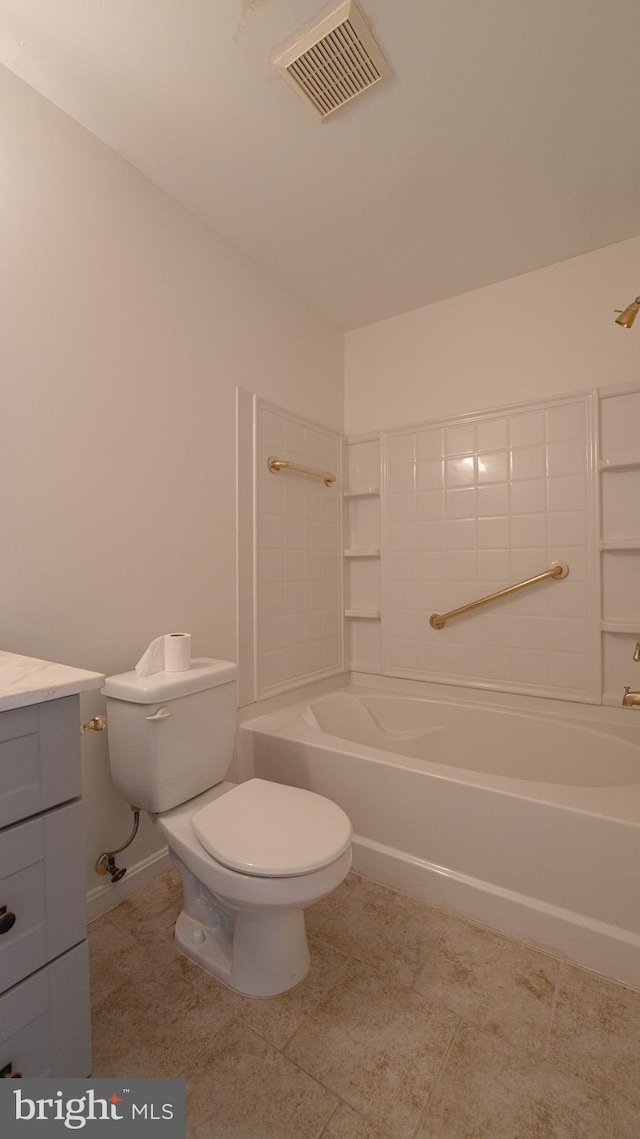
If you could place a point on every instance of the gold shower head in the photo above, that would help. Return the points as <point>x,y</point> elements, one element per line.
<point>629,314</point>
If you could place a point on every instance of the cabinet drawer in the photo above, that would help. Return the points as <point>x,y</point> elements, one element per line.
<point>39,758</point>
<point>44,1021</point>
<point>49,907</point>
<point>19,764</point>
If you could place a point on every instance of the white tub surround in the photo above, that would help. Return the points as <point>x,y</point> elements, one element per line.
<point>44,968</point>
<point>476,503</point>
<point>289,550</point>
<point>526,820</point>
<point>473,505</point>
<point>27,680</point>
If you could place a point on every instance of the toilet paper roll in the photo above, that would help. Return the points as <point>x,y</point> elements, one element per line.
<point>177,652</point>
<point>152,659</point>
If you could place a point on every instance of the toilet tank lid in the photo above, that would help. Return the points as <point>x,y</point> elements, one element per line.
<point>161,686</point>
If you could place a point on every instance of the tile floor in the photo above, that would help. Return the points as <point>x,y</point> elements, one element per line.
<point>412,1024</point>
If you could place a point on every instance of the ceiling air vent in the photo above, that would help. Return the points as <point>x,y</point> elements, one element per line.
<point>336,61</point>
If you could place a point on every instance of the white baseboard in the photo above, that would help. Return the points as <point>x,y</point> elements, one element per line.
<point>105,897</point>
<point>563,933</point>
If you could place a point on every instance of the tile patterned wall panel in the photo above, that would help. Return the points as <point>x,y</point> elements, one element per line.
<point>471,507</point>
<point>298,624</point>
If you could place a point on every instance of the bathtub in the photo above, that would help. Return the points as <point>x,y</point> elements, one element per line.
<point>527,822</point>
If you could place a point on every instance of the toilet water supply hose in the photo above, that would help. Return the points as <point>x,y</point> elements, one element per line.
<point>106,863</point>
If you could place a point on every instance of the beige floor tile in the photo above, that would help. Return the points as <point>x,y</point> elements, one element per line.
<point>135,951</point>
<point>393,933</point>
<point>625,1121</point>
<point>499,985</point>
<point>596,1032</point>
<point>245,1089</point>
<point>377,1045</point>
<point>277,1018</point>
<point>345,1123</point>
<point>489,1090</point>
<point>155,908</point>
<point>112,951</point>
<point>158,1021</point>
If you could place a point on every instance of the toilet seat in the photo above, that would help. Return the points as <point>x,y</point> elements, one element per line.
<point>271,830</point>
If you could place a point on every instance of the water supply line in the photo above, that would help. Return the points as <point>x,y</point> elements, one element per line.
<point>106,863</point>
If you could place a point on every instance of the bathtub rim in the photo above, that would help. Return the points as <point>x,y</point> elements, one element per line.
<point>619,718</point>
<point>618,802</point>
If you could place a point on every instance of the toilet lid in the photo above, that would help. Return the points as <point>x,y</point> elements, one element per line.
<point>271,830</point>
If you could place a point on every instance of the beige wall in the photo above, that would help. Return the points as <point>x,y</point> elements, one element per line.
<point>543,334</point>
<point>125,326</point>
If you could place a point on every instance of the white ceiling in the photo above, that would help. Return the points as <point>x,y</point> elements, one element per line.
<point>507,139</point>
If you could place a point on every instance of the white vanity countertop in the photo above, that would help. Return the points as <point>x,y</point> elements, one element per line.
<point>26,680</point>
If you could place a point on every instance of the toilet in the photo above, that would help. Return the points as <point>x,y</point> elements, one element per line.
<point>252,856</point>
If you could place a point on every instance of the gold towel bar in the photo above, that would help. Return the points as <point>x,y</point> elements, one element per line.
<point>556,570</point>
<point>276,465</point>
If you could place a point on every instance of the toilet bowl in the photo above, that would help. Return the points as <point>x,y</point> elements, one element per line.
<point>252,856</point>
<point>247,928</point>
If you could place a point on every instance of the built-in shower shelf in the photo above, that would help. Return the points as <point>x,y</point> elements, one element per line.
<point>620,544</point>
<point>368,492</point>
<point>363,552</point>
<point>367,614</point>
<point>625,462</point>
<point>632,627</point>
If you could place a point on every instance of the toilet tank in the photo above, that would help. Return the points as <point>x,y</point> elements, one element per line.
<point>171,735</point>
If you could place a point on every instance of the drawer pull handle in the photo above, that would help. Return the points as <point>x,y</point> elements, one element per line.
<point>7,1073</point>
<point>7,919</point>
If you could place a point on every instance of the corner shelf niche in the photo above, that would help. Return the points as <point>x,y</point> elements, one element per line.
<point>620,544</point>
<point>619,470</point>
<point>625,463</point>
<point>632,627</point>
<point>362,553</point>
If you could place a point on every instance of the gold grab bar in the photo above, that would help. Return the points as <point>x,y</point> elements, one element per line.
<point>276,465</point>
<point>556,570</point>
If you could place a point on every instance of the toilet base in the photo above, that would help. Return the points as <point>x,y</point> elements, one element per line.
<point>261,955</point>
<point>259,952</point>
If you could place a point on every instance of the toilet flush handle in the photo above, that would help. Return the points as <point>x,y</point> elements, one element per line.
<point>161,714</point>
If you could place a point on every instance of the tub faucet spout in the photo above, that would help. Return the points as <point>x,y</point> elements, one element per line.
<point>630,699</point>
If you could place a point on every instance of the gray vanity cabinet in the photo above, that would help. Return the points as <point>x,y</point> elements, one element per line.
<point>44,974</point>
